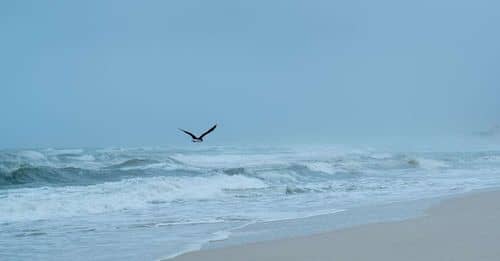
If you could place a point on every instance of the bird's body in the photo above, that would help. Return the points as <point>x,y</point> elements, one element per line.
<point>197,140</point>
<point>200,138</point>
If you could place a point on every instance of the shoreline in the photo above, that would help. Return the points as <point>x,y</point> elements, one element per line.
<point>263,231</point>
<point>434,225</point>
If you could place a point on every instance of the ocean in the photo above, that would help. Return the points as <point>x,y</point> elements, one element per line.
<point>152,203</point>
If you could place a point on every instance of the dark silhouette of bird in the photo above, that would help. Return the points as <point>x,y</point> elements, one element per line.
<point>200,138</point>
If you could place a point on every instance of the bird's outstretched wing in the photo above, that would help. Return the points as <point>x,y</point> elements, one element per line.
<point>208,131</point>
<point>188,133</point>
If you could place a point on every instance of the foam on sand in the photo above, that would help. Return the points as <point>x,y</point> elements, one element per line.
<point>465,229</point>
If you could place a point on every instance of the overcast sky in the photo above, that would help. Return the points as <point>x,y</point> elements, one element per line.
<point>129,73</point>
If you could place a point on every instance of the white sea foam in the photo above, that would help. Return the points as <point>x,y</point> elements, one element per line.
<point>55,202</point>
<point>189,197</point>
<point>84,157</point>
<point>228,161</point>
<point>324,167</point>
<point>431,164</point>
<point>32,155</point>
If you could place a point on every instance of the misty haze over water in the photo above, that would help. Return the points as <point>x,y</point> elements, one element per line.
<point>100,74</point>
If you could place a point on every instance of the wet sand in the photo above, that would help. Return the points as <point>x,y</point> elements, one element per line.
<point>462,228</point>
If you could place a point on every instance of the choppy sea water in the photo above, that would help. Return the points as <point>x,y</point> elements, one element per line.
<point>149,203</point>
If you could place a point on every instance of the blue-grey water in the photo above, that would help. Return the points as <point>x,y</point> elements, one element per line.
<point>150,203</point>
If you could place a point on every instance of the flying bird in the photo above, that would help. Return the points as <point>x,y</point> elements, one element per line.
<point>199,139</point>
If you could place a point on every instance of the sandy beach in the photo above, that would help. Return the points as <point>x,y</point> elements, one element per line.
<point>461,228</point>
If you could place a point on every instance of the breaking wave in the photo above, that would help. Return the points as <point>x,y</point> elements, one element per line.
<point>185,197</point>
<point>39,184</point>
<point>81,167</point>
<point>124,195</point>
